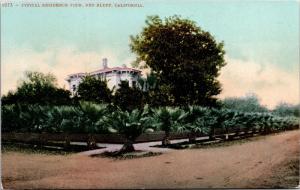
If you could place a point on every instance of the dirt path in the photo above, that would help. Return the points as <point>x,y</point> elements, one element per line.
<point>269,161</point>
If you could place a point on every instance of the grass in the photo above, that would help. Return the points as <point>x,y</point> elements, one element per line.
<point>218,142</point>
<point>223,143</point>
<point>33,149</point>
<point>206,143</point>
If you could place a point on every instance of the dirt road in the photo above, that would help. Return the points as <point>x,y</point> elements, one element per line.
<point>268,161</point>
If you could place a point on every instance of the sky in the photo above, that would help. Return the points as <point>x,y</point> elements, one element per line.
<point>261,41</point>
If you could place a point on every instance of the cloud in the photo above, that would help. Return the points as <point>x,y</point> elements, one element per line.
<point>271,83</point>
<point>60,62</point>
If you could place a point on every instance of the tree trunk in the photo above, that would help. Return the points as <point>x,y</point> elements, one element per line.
<point>127,147</point>
<point>166,141</point>
<point>267,130</point>
<point>237,132</point>
<point>91,142</point>
<point>192,137</point>
<point>260,129</point>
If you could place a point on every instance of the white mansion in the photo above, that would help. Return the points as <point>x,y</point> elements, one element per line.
<point>113,76</point>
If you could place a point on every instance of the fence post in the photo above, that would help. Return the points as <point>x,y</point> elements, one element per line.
<point>192,137</point>
<point>67,142</point>
<point>43,139</point>
<point>212,134</point>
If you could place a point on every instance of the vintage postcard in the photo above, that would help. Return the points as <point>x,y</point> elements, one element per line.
<point>149,94</point>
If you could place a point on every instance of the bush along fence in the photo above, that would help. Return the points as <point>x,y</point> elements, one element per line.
<point>94,123</point>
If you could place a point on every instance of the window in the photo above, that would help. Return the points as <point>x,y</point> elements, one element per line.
<point>74,87</point>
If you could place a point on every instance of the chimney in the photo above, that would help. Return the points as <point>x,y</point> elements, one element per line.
<point>104,63</point>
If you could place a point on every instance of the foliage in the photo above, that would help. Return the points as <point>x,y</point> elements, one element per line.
<point>131,124</point>
<point>285,109</point>
<point>86,118</point>
<point>128,98</point>
<point>93,118</point>
<point>148,83</point>
<point>23,118</point>
<point>197,120</point>
<point>168,119</point>
<point>69,120</point>
<point>184,57</point>
<point>245,120</point>
<point>94,90</point>
<point>38,88</point>
<point>249,103</point>
<point>226,119</point>
<point>155,95</point>
<point>10,118</point>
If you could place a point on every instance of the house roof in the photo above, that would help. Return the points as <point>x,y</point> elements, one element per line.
<point>107,70</point>
<point>77,74</point>
<point>114,69</point>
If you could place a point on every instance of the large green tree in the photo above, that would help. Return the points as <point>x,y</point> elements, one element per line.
<point>128,98</point>
<point>38,88</point>
<point>94,90</point>
<point>185,58</point>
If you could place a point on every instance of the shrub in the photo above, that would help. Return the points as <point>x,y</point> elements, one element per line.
<point>168,119</point>
<point>38,88</point>
<point>285,109</point>
<point>128,98</point>
<point>10,118</point>
<point>249,103</point>
<point>94,90</point>
<point>196,121</point>
<point>131,124</point>
<point>94,118</point>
